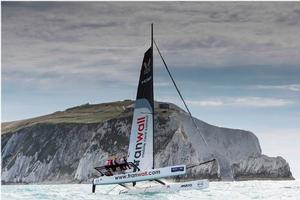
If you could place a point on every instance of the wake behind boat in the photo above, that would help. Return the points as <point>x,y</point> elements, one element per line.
<point>139,165</point>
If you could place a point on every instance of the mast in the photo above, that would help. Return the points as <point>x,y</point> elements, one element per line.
<point>153,94</point>
<point>152,39</point>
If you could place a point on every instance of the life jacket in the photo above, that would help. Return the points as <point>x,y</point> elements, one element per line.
<point>109,162</point>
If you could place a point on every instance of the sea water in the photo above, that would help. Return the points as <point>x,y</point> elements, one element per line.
<point>217,190</point>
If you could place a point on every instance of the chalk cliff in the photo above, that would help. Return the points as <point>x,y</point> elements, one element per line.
<point>64,147</point>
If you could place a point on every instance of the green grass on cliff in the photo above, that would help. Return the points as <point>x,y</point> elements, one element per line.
<point>87,113</point>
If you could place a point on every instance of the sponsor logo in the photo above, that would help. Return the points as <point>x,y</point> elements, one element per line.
<point>147,67</point>
<point>177,169</point>
<point>139,141</point>
<point>134,175</point>
<point>98,180</point>
<point>200,184</point>
<point>146,80</point>
<point>186,185</point>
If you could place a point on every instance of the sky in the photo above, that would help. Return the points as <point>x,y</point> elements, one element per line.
<point>236,64</point>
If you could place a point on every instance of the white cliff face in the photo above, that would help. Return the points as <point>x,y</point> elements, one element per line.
<point>275,168</point>
<point>68,152</point>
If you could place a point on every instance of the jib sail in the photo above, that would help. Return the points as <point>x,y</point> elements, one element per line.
<point>140,150</point>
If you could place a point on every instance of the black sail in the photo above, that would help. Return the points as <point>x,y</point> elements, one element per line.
<point>145,88</point>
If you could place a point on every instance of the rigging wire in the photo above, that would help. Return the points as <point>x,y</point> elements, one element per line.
<point>193,120</point>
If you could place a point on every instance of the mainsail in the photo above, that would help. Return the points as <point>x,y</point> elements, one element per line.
<point>140,150</point>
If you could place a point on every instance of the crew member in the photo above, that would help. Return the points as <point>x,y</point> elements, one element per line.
<point>109,162</point>
<point>124,164</point>
<point>115,164</point>
<point>116,161</point>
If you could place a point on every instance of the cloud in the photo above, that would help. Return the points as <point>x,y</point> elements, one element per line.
<point>208,103</point>
<point>290,87</point>
<point>247,102</point>
<point>255,102</point>
<point>116,34</point>
<point>259,102</point>
<point>286,87</point>
<point>71,45</point>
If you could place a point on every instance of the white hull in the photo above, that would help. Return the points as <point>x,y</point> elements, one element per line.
<point>144,175</point>
<point>191,185</point>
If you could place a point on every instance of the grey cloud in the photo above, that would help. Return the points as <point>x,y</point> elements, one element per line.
<point>291,18</point>
<point>88,38</point>
<point>91,25</point>
<point>297,11</point>
<point>229,16</point>
<point>213,41</point>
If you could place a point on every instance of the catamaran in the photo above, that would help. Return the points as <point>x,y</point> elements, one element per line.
<point>139,165</point>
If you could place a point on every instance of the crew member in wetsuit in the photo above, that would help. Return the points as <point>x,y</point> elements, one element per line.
<point>108,166</point>
<point>115,164</point>
<point>124,164</point>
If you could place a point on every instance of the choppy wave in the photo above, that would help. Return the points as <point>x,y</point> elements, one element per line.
<point>217,190</point>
